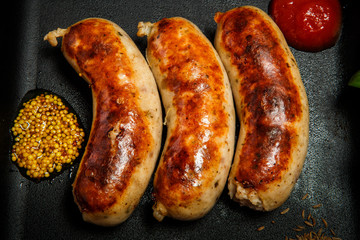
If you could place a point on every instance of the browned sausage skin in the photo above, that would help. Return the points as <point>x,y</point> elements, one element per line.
<point>126,130</point>
<point>272,106</point>
<point>200,119</point>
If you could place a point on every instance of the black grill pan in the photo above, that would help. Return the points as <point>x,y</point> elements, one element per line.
<point>46,210</point>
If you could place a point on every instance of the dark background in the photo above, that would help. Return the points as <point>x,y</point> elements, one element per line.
<point>46,210</point>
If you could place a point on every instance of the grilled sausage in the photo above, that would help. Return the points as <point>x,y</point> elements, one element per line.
<point>271,104</point>
<point>200,119</point>
<point>125,136</point>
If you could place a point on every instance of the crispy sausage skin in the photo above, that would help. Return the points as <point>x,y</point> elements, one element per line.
<point>271,104</point>
<point>200,119</point>
<point>125,137</point>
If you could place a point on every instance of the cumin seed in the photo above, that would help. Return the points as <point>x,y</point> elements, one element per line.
<point>305,196</point>
<point>308,223</point>
<point>317,206</point>
<point>325,222</point>
<point>303,214</point>
<point>284,211</point>
<point>260,228</point>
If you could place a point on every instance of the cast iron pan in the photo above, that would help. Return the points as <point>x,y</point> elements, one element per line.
<point>46,210</point>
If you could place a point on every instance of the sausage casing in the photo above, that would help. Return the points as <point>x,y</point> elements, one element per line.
<point>271,104</point>
<point>125,136</point>
<point>200,119</point>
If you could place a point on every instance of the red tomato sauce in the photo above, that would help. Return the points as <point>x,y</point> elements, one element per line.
<point>308,25</point>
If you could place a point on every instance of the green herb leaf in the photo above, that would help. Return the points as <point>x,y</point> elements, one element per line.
<point>355,80</point>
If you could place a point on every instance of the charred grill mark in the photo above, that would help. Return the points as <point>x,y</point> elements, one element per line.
<point>270,97</point>
<point>193,73</point>
<point>120,136</point>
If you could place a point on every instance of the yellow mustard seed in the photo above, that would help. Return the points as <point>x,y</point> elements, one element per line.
<point>58,168</point>
<point>46,135</point>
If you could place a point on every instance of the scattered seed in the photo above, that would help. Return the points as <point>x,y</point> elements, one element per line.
<point>305,196</point>
<point>260,228</point>
<point>299,228</point>
<point>313,221</point>
<point>325,223</point>
<point>312,235</point>
<point>308,223</point>
<point>317,206</point>
<point>303,214</point>
<point>284,211</point>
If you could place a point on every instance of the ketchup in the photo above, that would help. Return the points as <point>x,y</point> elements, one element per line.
<point>308,25</point>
